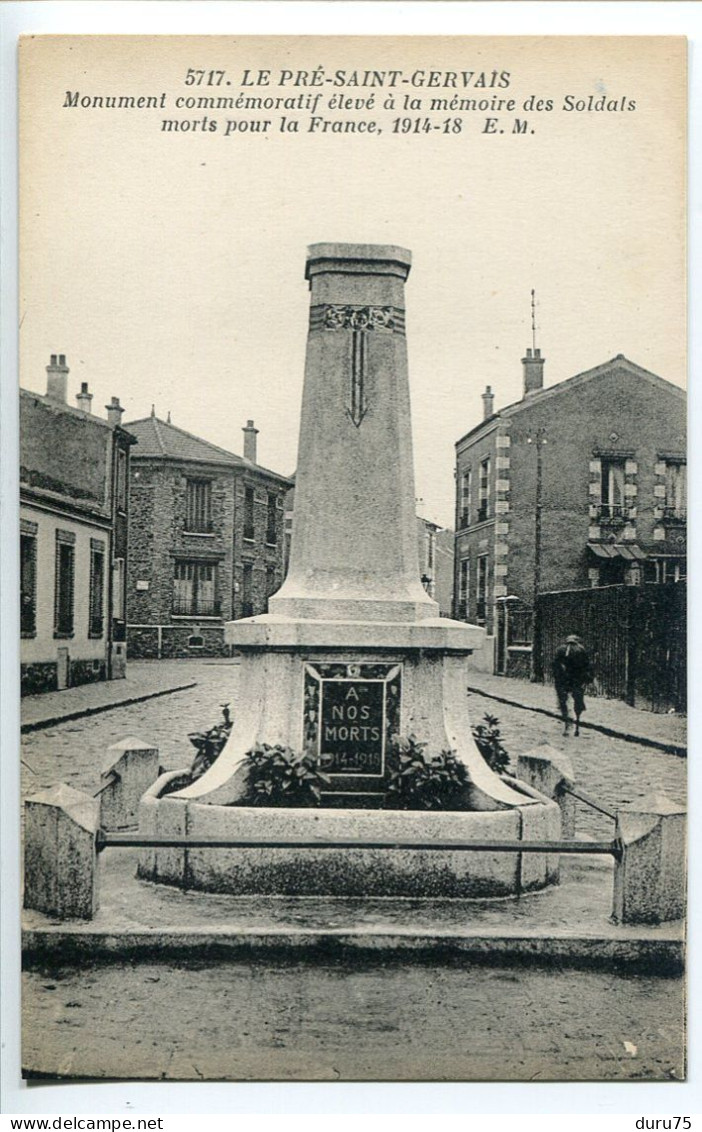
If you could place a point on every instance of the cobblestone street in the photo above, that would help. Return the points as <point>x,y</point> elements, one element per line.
<point>330,1021</point>
<point>614,771</point>
<point>270,1017</point>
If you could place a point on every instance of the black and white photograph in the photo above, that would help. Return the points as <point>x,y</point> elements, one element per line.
<point>353,558</point>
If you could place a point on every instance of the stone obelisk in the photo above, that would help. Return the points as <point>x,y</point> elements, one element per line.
<point>353,649</point>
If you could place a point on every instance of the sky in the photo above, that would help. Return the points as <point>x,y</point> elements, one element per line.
<point>169,269</point>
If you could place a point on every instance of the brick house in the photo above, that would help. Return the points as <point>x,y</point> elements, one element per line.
<point>206,540</point>
<point>74,479</point>
<point>579,484</point>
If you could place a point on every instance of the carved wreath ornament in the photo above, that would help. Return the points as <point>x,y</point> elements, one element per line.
<point>359,318</point>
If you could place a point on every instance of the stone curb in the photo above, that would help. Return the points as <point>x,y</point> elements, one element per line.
<point>611,732</point>
<point>644,954</point>
<point>54,721</point>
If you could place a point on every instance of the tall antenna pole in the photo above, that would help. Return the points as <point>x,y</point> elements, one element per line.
<point>533,318</point>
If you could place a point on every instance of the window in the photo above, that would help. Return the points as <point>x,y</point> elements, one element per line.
<point>97,588</point>
<point>118,589</point>
<point>28,580</point>
<point>464,514</point>
<point>612,500</point>
<point>249,529</point>
<point>194,589</point>
<point>247,591</point>
<point>272,520</point>
<point>484,491</point>
<point>64,584</point>
<point>481,590</point>
<point>198,506</point>
<point>463,583</point>
<point>675,489</point>
<point>121,485</point>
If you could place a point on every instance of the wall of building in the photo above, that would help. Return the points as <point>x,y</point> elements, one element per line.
<point>158,539</point>
<point>478,538</point>
<point>86,656</point>
<point>64,451</point>
<point>618,412</point>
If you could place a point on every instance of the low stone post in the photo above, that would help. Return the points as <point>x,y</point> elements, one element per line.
<point>130,768</point>
<point>549,772</point>
<point>60,853</point>
<point>649,877</point>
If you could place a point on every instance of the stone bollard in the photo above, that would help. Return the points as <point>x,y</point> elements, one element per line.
<point>549,771</point>
<point>649,878</point>
<point>130,768</point>
<point>60,853</point>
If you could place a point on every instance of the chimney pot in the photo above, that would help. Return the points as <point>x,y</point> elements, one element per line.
<point>533,367</point>
<point>250,434</point>
<point>114,412</point>
<point>84,398</point>
<point>57,378</point>
<point>488,402</point>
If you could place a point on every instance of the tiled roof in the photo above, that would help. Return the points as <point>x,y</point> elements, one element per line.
<point>619,362</point>
<point>157,438</point>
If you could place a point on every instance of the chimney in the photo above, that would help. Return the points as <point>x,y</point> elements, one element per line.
<point>56,378</point>
<point>83,399</point>
<point>488,402</point>
<point>114,412</point>
<point>533,371</point>
<point>250,434</point>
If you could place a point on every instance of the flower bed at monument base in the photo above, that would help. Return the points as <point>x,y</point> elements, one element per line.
<point>357,871</point>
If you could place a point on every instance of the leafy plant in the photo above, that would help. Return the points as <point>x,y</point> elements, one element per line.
<point>278,776</point>
<point>489,743</point>
<point>209,744</point>
<point>419,781</point>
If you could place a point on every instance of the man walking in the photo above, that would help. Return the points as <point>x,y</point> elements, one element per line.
<point>571,672</point>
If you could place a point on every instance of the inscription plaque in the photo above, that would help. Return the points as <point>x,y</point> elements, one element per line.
<point>351,710</point>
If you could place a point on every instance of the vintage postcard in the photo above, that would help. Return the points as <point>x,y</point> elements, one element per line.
<point>353,511</point>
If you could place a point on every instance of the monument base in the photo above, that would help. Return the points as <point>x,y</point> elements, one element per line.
<point>359,871</point>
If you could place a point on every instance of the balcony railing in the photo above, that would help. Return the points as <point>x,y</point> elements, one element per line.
<point>196,607</point>
<point>675,514</point>
<point>198,527</point>
<point>613,512</point>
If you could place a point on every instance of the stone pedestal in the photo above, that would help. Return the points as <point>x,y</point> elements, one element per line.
<point>550,772</point>
<point>649,878</point>
<point>130,768</point>
<point>60,853</point>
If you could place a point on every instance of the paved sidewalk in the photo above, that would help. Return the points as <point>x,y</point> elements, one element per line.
<point>569,924</point>
<point>612,717</point>
<point>145,679</point>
